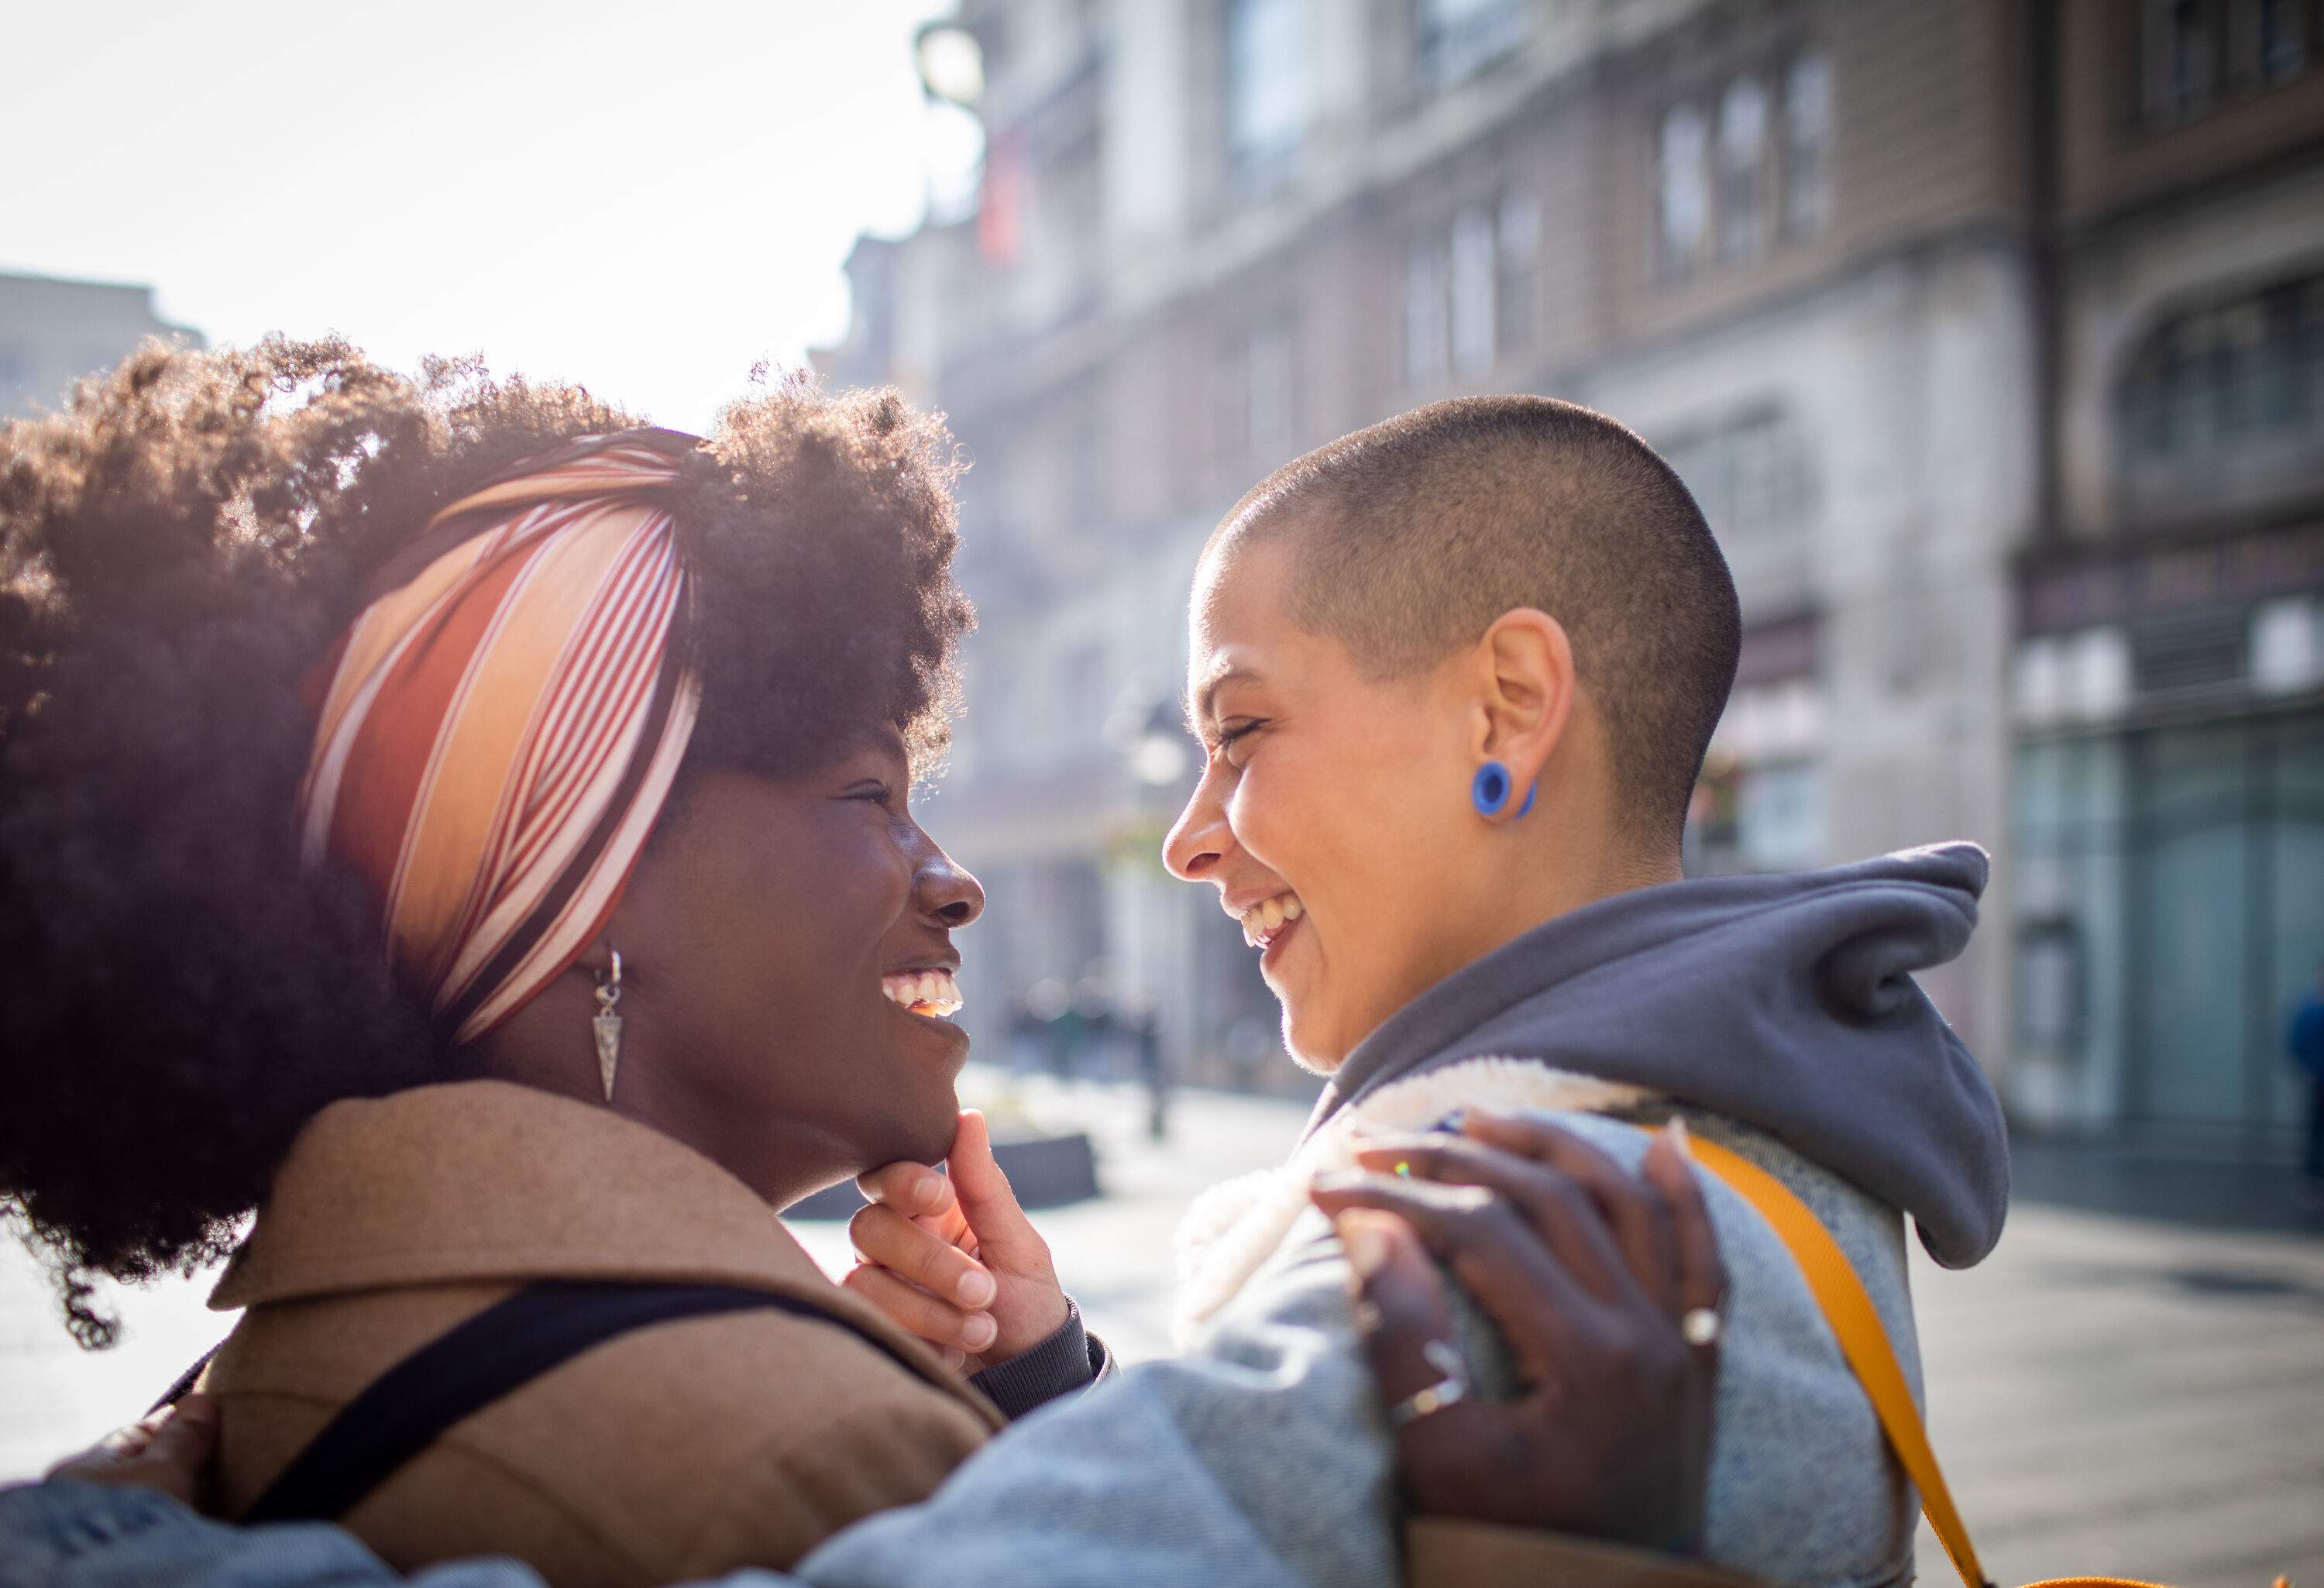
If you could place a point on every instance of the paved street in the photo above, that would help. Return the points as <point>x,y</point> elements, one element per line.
<point>2110,1395</point>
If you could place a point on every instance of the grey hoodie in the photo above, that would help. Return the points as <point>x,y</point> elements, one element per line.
<point>1777,1012</point>
<point>1784,1002</point>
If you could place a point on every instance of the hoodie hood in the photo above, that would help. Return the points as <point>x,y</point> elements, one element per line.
<point>1786,1002</point>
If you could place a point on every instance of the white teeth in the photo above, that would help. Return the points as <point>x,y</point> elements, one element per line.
<point>932,993</point>
<point>1269,916</point>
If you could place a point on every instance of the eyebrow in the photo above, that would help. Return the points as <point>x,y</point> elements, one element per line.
<point>1199,704</point>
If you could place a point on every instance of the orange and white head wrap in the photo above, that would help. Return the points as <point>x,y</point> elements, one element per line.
<point>498,733</point>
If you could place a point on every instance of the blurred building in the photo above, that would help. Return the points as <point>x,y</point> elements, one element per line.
<point>1989,335</point>
<point>53,330</point>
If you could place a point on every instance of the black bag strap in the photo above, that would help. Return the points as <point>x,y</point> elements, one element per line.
<point>500,1349</point>
<point>183,1384</point>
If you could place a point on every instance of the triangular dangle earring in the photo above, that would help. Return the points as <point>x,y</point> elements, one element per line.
<point>607,1023</point>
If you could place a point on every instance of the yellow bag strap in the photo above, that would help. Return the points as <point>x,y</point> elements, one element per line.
<point>1832,1278</point>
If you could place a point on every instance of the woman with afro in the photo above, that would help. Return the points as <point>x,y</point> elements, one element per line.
<point>477,825</point>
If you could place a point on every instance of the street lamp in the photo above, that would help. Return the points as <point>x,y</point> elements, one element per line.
<point>951,66</point>
<point>1144,730</point>
<point>1159,758</point>
<point>951,62</point>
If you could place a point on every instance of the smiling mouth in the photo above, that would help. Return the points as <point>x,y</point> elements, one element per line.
<point>931,993</point>
<point>1266,920</point>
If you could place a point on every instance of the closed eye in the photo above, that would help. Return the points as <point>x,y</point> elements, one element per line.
<point>1229,738</point>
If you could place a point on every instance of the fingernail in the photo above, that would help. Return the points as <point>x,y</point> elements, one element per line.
<point>1676,1129</point>
<point>1367,1247</point>
<point>929,1190</point>
<point>978,1332</point>
<point>974,1287</point>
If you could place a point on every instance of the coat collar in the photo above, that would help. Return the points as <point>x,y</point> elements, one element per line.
<point>489,1182</point>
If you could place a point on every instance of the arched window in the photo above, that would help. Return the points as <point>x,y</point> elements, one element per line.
<point>2238,372</point>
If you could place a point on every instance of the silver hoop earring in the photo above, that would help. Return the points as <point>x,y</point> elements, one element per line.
<point>607,1023</point>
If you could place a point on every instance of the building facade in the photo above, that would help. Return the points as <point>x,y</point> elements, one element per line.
<point>53,330</point>
<point>1985,333</point>
<point>2167,677</point>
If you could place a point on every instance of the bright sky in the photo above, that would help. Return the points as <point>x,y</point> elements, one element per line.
<point>643,198</point>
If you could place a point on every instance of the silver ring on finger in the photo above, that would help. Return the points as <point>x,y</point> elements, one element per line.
<point>1699,1326</point>
<point>1448,1391</point>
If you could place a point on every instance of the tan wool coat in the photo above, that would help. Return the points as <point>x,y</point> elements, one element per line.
<point>673,1453</point>
<point>679,1452</point>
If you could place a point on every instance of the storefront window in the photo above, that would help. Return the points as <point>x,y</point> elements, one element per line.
<point>2169,888</point>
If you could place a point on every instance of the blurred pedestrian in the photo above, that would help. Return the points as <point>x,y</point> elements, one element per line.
<point>1143,1021</point>
<point>2304,1041</point>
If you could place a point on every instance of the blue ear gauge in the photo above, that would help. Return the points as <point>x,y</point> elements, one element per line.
<point>1490,791</point>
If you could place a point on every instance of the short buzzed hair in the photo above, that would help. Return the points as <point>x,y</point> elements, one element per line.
<point>1414,534</point>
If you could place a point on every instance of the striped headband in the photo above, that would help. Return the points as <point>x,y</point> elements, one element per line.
<point>498,733</point>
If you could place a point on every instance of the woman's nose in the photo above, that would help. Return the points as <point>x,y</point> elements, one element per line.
<point>948,895</point>
<point>1198,838</point>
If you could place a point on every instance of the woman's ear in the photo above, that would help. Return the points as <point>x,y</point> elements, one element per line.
<point>1525,670</point>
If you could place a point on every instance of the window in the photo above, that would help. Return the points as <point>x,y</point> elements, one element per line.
<point>1749,475</point>
<point>1270,91</point>
<point>1426,357</point>
<point>1473,282</point>
<point>2202,53</point>
<point>1807,130</point>
<point>2237,373</point>
<point>1517,293</point>
<point>1270,392</point>
<point>1779,817</point>
<point>2281,41</point>
<point>1254,407</point>
<point>1459,38</point>
<point>1683,188</point>
<point>1742,156</point>
<point>1469,290</point>
<point>1742,166</point>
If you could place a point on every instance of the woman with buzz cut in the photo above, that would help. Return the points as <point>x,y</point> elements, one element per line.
<point>1454,676</point>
